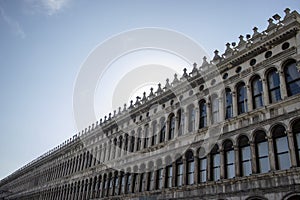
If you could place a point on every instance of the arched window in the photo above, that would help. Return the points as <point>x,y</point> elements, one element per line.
<point>146,139</point>
<point>143,182</point>
<point>162,130</point>
<point>203,114</point>
<point>229,159</point>
<point>159,180</point>
<point>228,103</point>
<point>257,92</point>
<point>169,177</point>
<point>154,133</point>
<point>292,78</point>
<point>245,156</point>
<point>116,184</point>
<point>274,86</point>
<point>139,139</point>
<point>131,149</point>
<point>181,122</point>
<point>262,152</point>
<point>296,133</point>
<point>179,172</point>
<point>215,163</point>
<point>202,166</point>
<point>190,168</point>
<point>172,126</point>
<point>242,98</point>
<point>128,184</point>
<point>191,117</point>
<point>151,181</point>
<point>281,147</point>
<point>215,109</point>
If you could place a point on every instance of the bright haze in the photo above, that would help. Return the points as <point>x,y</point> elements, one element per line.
<point>43,44</point>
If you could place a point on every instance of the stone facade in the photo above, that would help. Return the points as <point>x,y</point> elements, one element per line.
<point>230,129</point>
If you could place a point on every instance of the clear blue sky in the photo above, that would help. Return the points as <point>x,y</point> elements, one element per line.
<point>44,42</point>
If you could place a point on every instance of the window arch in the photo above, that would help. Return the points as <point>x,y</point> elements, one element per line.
<point>296,133</point>
<point>171,126</point>
<point>190,167</point>
<point>179,172</point>
<point>292,78</point>
<point>281,147</point>
<point>154,133</point>
<point>215,109</point>
<point>242,98</point>
<point>191,118</point>
<point>273,86</point>
<point>228,103</point>
<point>245,156</point>
<point>215,163</point>
<point>262,152</point>
<point>229,159</point>
<point>257,92</point>
<point>203,114</point>
<point>202,166</point>
<point>162,130</point>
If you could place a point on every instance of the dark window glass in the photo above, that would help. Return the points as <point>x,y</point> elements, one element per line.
<point>146,139</point>
<point>262,152</point>
<point>159,183</point>
<point>169,176</point>
<point>203,114</point>
<point>215,165</point>
<point>292,78</point>
<point>274,86</point>
<point>245,156</point>
<point>179,172</point>
<point>229,159</point>
<point>202,169</point>
<point>242,98</point>
<point>162,130</point>
<point>151,181</point>
<point>281,147</point>
<point>154,133</point>
<point>228,104</point>
<point>257,94</point>
<point>172,127</point>
<point>190,168</point>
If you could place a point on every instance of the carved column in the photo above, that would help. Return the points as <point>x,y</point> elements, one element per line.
<point>209,114</point>
<point>253,158</point>
<point>234,105</point>
<point>271,154</point>
<point>221,109</point>
<point>265,92</point>
<point>292,148</point>
<point>196,169</point>
<point>237,161</point>
<point>283,90</point>
<point>208,167</point>
<point>222,164</point>
<point>249,99</point>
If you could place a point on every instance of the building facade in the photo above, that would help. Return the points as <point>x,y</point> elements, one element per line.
<point>229,129</point>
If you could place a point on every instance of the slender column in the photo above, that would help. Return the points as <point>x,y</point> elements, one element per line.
<point>184,176</point>
<point>167,129</point>
<point>292,148</point>
<point>197,117</point>
<point>142,137</point>
<point>196,169</point>
<point>271,153</point>
<point>186,121</point>
<point>176,125</point>
<point>222,164</point>
<point>283,90</point>
<point>265,92</point>
<point>208,167</point>
<point>237,161</point>
<point>221,109</point>
<point>253,158</point>
<point>249,98</point>
<point>158,130</point>
<point>234,105</point>
<point>209,114</point>
<point>174,174</point>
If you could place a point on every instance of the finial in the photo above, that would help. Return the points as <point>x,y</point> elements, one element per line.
<point>204,62</point>
<point>109,116</point>
<point>175,81</point>
<point>242,41</point>
<point>276,17</point>
<point>105,118</point>
<point>159,90</point>
<point>137,102</point>
<point>255,32</point>
<point>115,113</point>
<point>271,24</point>
<point>194,70</point>
<point>151,93</point>
<point>119,111</point>
<point>131,104</point>
<point>125,107</point>
<point>228,50</point>
<point>184,75</point>
<point>216,57</point>
<point>144,99</point>
<point>167,84</point>
<point>101,121</point>
<point>287,13</point>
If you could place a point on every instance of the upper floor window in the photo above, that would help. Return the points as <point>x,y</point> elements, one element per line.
<point>228,103</point>
<point>281,147</point>
<point>215,109</point>
<point>262,152</point>
<point>181,122</point>
<point>229,159</point>
<point>128,185</point>
<point>151,181</point>
<point>191,115</point>
<point>203,114</point>
<point>257,92</point>
<point>242,98</point>
<point>122,183</point>
<point>162,130</point>
<point>172,126</point>
<point>159,179</point>
<point>202,166</point>
<point>143,182</point>
<point>169,176</point>
<point>274,86</point>
<point>292,78</point>
<point>116,182</point>
<point>190,167</point>
<point>245,156</point>
<point>154,133</point>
